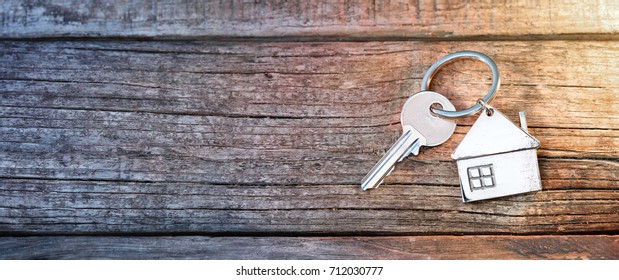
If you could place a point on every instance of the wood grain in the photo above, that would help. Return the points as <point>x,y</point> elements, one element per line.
<point>340,19</point>
<point>330,248</point>
<point>213,137</point>
<point>71,207</point>
<point>250,142</point>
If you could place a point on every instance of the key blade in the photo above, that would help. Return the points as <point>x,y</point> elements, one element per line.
<point>385,165</point>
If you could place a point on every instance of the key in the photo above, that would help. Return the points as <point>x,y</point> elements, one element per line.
<point>420,128</point>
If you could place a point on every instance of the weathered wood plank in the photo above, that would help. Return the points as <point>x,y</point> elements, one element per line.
<point>43,206</point>
<point>274,137</point>
<point>280,248</point>
<point>271,18</point>
<point>343,83</point>
<point>211,163</point>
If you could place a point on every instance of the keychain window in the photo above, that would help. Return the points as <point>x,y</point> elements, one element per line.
<point>481,177</point>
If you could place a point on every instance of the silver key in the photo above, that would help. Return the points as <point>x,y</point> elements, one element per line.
<point>421,128</point>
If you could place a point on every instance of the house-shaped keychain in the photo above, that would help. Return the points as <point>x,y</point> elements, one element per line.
<point>497,158</point>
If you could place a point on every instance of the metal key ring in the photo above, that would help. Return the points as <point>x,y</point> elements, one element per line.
<point>427,78</point>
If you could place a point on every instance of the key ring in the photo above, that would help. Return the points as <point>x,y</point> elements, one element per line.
<point>427,78</point>
<point>489,110</point>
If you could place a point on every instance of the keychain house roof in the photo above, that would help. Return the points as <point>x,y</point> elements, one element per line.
<point>497,158</point>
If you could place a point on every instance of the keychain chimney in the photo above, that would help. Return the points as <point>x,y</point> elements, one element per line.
<point>523,121</point>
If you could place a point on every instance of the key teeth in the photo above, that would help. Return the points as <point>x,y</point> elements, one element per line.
<point>414,151</point>
<point>404,156</point>
<point>388,173</point>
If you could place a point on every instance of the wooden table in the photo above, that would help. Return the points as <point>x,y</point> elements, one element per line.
<point>242,129</point>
